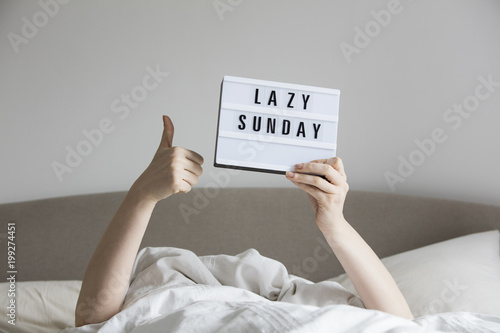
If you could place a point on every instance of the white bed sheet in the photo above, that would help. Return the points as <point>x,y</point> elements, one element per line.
<point>173,290</point>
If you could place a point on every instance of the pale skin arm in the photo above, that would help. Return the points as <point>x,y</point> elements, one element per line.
<point>172,170</point>
<point>374,284</point>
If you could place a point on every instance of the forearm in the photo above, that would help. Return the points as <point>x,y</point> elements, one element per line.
<point>172,170</point>
<point>374,284</point>
<point>108,272</point>
<point>327,194</point>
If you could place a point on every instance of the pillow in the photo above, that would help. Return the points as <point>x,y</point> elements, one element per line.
<point>41,306</point>
<point>461,274</point>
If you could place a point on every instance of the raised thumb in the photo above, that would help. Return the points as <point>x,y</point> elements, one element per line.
<point>168,132</point>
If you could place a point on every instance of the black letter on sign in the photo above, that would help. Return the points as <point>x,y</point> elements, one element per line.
<point>255,127</point>
<point>316,130</point>
<point>301,129</point>
<point>292,95</point>
<point>272,98</point>
<point>305,100</point>
<point>242,125</point>
<point>286,127</point>
<point>257,96</point>
<point>271,125</point>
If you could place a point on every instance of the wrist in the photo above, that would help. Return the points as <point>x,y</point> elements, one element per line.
<point>336,235</point>
<point>137,197</point>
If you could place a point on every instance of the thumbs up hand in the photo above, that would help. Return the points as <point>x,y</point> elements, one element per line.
<point>172,170</point>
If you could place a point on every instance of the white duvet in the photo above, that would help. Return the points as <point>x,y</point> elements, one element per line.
<point>173,290</point>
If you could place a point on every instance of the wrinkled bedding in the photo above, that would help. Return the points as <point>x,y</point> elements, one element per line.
<point>173,290</point>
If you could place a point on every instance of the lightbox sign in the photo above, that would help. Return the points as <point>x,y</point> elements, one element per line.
<point>271,126</point>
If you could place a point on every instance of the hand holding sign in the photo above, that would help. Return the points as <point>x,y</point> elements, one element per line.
<point>172,170</point>
<point>327,194</point>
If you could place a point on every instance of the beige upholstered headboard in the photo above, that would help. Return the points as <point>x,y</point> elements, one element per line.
<point>56,237</point>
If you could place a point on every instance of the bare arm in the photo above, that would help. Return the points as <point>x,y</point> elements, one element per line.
<point>105,282</point>
<point>373,282</point>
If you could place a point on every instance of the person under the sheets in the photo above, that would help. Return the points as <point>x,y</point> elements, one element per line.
<point>176,169</point>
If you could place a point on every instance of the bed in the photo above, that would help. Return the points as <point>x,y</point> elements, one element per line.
<point>443,254</point>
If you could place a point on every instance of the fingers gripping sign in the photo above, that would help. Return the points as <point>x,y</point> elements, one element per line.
<point>325,182</point>
<point>172,170</point>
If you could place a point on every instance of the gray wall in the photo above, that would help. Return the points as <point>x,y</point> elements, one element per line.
<point>69,74</point>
